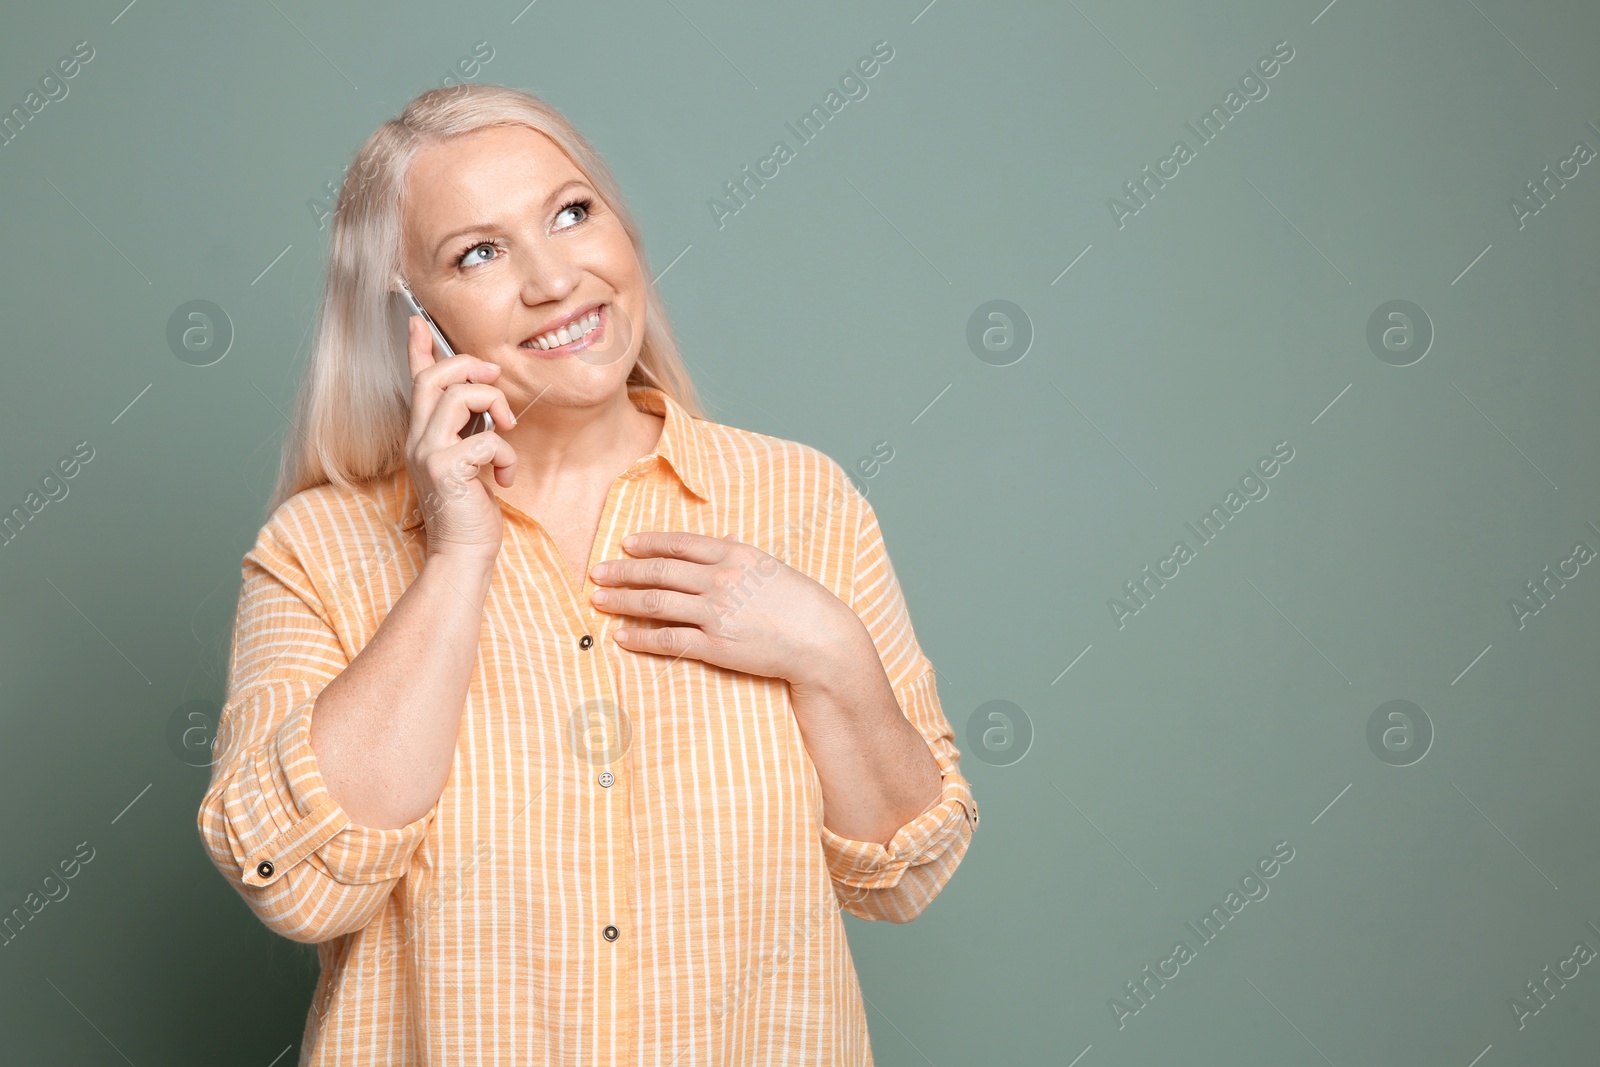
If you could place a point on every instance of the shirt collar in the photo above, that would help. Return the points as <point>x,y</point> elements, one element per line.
<point>682,446</point>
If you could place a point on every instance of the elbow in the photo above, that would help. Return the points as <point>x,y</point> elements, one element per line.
<point>295,923</point>
<point>909,895</point>
<point>301,908</point>
<point>287,922</point>
<point>303,905</point>
<point>905,906</point>
<point>899,902</point>
<point>286,908</point>
<point>880,905</point>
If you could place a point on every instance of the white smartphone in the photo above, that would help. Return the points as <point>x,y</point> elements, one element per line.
<point>481,420</point>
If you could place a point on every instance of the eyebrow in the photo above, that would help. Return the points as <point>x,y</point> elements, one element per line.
<point>481,226</point>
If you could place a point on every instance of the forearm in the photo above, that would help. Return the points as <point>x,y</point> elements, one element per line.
<point>875,768</point>
<point>384,731</point>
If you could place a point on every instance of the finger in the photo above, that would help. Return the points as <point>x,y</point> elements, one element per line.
<point>664,572</point>
<point>697,548</point>
<point>664,604</point>
<point>430,383</point>
<point>456,405</point>
<point>482,452</point>
<point>433,392</point>
<point>457,368</point>
<point>501,411</point>
<point>419,345</point>
<point>675,641</point>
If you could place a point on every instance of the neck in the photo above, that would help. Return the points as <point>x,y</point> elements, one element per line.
<point>561,446</point>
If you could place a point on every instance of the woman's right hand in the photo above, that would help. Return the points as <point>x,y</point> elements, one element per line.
<point>459,510</point>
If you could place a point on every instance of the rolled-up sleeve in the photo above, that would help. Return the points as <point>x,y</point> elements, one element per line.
<point>267,820</point>
<point>899,880</point>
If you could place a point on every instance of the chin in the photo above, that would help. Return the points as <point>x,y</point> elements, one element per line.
<point>572,389</point>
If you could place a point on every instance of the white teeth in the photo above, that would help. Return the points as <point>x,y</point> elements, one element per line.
<point>568,334</point>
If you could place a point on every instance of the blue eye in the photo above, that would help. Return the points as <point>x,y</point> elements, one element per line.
<point>584,204</point>
<point>462,259</point>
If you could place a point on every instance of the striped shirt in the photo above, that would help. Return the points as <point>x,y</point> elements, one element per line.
<point>628,864</point>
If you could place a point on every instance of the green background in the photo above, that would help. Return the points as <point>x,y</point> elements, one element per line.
<point>1230,313</point>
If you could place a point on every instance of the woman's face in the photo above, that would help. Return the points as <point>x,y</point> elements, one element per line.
<point>503,236</point>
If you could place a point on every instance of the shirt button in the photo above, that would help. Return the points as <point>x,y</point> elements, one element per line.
<point>265,868</point>
<point>585,641</point>
<point>606,779</point>
<point>609,933</point>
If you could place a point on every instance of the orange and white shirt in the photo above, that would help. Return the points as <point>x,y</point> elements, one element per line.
<point>628,863</point>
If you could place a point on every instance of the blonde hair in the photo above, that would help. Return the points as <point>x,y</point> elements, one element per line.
<point>353,407</point>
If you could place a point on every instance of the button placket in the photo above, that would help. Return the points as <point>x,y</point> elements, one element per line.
<point>599,621</point>
<point>611,801</point>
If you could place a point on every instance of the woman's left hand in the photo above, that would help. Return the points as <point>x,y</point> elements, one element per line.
<point>725,603</point>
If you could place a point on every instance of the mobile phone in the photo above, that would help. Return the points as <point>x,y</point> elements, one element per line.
<point>481,420</point>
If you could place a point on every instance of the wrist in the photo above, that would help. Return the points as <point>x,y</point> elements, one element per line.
<point>462,569</point>
<point>840,663</point>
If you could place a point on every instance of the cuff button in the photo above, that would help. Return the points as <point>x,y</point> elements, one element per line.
<point>265,868</point>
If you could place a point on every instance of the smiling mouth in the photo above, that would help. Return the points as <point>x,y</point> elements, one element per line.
<point>574,337</point>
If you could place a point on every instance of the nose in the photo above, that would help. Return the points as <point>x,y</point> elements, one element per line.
<point>548,273</point>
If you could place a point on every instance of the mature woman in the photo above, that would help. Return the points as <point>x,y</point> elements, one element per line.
<point>564,741</point>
